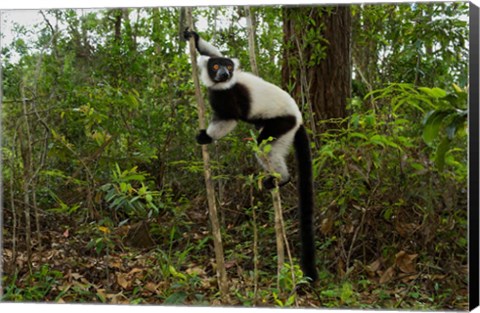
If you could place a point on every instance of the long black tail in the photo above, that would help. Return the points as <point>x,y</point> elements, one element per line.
<point>305,191</point>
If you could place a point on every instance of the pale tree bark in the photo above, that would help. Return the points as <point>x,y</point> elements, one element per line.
<point>254,69</point>
<point>26,152</point>
<point>255,246</point>
<point>251,40</point>
<point>277,206</point>
<point>212,208</point>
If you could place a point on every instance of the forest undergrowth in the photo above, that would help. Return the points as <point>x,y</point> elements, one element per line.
<point>103,184</point>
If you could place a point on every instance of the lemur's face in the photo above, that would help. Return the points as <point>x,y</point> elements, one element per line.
<point>220,69</point>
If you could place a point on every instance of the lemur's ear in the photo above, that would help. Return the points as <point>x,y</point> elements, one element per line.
<point>202,61</point>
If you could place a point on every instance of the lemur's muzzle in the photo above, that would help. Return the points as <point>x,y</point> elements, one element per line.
<point>222,75</point>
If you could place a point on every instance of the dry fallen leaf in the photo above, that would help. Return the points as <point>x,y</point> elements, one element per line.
<point>409,278</point>
<point>327,225</point>
<point>375,265</point>
<point>405,262</point>
<point>387,275</point>
<point>115,264</point>
<point>134,270</point>
<point>114,298</point>
<point>196,270</point>
<point>406,229</point>
<point>151,287</point>
<point>122,281</point>
<point>230,264</point>
<point>101,294</point>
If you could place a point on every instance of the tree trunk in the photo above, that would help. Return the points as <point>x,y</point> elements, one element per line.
<point>118,24</point>
<point>212,208</point>
<point>251,40</point>
<point>317,42</point>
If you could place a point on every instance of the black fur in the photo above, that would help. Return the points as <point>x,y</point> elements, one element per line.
<point>223,63</point>
<point>233,103</point>
<point>187,34</point>
<point>306,204</point>
<point>203,138</point>
<point>269,183</point>
<point>274,127</point>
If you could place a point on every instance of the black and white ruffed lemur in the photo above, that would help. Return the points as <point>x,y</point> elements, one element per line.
<point>236,95</point>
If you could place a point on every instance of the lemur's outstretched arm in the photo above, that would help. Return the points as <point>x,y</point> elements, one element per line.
<point>217,129</point>
<point>203,47</point>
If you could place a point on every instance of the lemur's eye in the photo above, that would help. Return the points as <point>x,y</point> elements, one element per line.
<point>230,67</point>
<point>215,67</point>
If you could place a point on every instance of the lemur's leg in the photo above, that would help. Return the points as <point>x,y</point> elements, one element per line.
<point>282,130</point>
<point>217,129</point>
<point>203,47</point>
<point>276,160</point>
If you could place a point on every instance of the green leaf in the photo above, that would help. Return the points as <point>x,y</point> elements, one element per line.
<point>138,177</point>
<point>383,141</point>
<point>417,166</point>
<point>457,122</point>
<point>433,120</point>
<point>142,190</point>
<point>346,293</point>
<point>358,135</point>
<point>457,88</point>
<point>434,92</point>
<point>267,149</point>
<point>176,274</point>
<point>291,300</point>
<point>377,140</point>
<point>439,93</point>
<point>440,153</point>
<point>388,214</point>
<point>329,293</point>
<point>176,298</point>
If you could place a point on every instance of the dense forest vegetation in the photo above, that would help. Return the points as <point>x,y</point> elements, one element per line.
<point>104,192</point>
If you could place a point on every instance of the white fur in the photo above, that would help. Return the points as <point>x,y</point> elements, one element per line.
<point>276,156</point>
<point>206,48</point>
<point>220,128</point>
<point>270,101</point>
<point>266,101</point>
<point>208,82</point>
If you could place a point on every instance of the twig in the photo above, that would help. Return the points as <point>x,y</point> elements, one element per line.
<point>305,91</point>
<point>255,247</point>
<point>354,239</point>
<point>277,205</point>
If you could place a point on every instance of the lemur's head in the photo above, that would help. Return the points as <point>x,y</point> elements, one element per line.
<point>218,72</point>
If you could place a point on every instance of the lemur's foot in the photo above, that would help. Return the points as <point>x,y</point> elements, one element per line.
<point>203,138</point>
<point>187,34</point>
<point>269,182</point>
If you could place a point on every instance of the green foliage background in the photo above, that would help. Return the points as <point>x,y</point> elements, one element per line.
<point>99,119</point>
